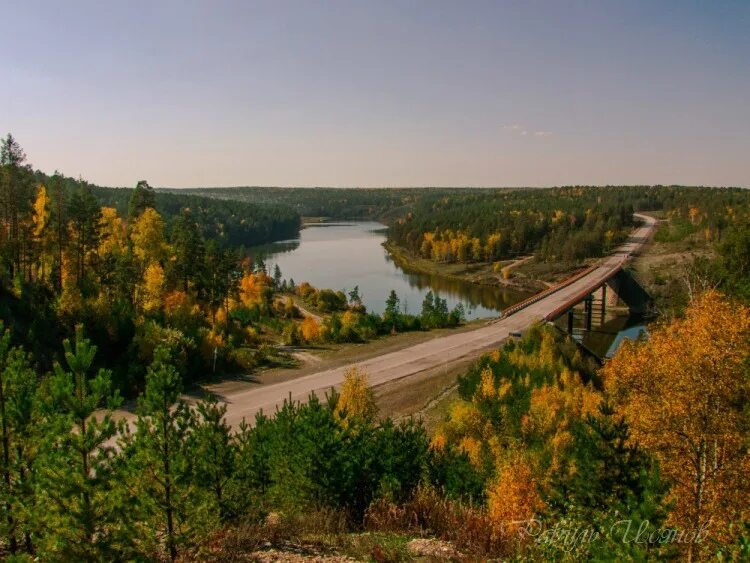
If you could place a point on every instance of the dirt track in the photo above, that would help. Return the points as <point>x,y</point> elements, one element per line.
<point>441,351</point>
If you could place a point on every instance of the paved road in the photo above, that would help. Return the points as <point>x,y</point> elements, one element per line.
<point>434,353</point>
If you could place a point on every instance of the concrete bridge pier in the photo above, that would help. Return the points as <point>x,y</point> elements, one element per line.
<point>611,297</point>
<point>570,321</point>
<point>624,289</point>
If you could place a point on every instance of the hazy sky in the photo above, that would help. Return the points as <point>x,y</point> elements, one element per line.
<point>377,93</point>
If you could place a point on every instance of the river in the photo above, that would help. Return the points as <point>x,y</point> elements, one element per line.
<point>344,255</point>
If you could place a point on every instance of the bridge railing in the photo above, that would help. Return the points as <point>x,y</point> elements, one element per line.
<point>549,291</point>
<point>580,296</point>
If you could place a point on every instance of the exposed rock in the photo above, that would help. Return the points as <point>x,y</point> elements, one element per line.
<point>433,549</point>
<point>276,556</point>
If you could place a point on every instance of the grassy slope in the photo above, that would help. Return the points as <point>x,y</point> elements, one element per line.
<point>664,263</point>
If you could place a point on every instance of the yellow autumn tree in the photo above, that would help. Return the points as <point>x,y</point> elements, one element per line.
<point>41,213</point>
<point>513,498</point>
<point>147,236</point>
<point>554,408</point>
<point>310,329</point>
<point>356,401</point>
<point>492,247</point>
<point>40,221</point>
<point>253,287</point>
<point>180,307</point>
<point>465,426</point>
<point>693,212</point>
<point>111,232</point>
<point>152,292</point>
<point>349,319</point>
<point>684,393</point>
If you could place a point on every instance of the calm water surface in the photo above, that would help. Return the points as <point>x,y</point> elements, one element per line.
<point>342,255</point>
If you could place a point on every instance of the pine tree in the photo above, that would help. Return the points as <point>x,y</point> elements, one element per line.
<point>188,249</point>
<point>84,213</point>
<point>428,310</point>
<point>58,224</point>
<point>19,440</point>
<point>161,455</point>
<point>22,434</point>
<point>214,453</point>
<point>7,490</point>
<point>391,316</point>
<point>276,277</point>
<point>254,464</point>
<point>355,298</point>
<point>219,276</point>
<point>80,465</point>
<point>143,197</point>
<point>15,193</point>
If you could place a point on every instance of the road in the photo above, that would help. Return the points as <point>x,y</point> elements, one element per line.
<point>440,351</point>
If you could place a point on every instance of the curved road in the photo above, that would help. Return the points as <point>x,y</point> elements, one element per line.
<point>437,352</point>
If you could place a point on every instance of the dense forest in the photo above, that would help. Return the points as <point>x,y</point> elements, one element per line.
<point>556,224</point>
<point>73,253</point>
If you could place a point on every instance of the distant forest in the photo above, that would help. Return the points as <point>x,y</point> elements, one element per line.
<point>334,203</point>
<point>229,223</point>
<point>492,224</point>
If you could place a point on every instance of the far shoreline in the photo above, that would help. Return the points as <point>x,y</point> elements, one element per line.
<point>479,273</point>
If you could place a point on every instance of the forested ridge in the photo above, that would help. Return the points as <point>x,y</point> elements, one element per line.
<point>555,224</point>
<point>333,203</point>
<point>230,223</point>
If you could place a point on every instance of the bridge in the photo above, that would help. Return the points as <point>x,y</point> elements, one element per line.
<point>590,285</point>
<point>441,352</point>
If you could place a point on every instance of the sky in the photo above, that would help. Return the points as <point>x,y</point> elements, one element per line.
<point>380,93</point>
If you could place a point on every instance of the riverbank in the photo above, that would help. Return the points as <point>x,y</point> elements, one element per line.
<point>306,221</point>
<point>525,274</point>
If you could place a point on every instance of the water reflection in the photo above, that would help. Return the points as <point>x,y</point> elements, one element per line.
<point>632,332</point>
<point>607,332</point>
<point>342,255</point>
<point>278,247</point>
